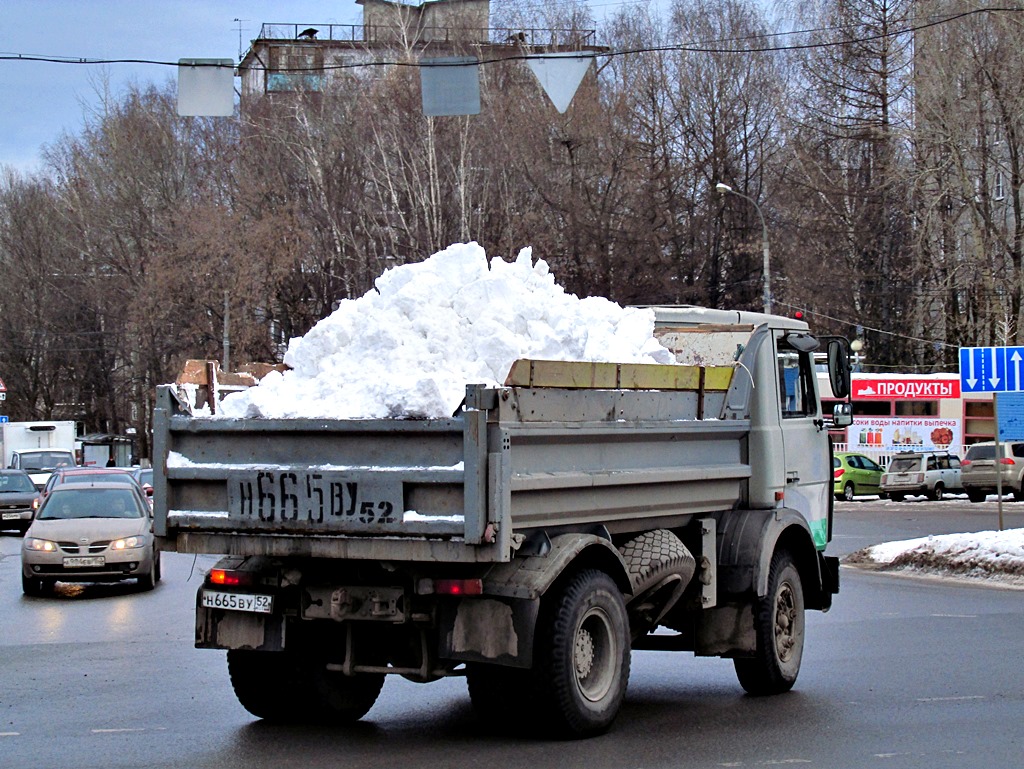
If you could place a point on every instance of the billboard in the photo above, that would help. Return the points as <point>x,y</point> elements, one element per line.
<point>904,434</point>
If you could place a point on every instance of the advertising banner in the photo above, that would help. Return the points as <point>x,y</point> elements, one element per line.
<point>904,434</point>
<point>904,388</point>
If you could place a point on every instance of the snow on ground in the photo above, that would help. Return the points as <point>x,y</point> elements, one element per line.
<point>409,347</point>
<point>989,556</point>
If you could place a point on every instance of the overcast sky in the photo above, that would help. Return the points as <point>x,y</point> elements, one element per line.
<point>41,100</point>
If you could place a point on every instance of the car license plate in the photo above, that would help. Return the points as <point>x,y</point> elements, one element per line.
<point>84,561</point>
<point>260,604</point>
<point>11,516</point>
<point>315,500</point>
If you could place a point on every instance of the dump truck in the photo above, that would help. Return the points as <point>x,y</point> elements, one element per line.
<point>532,541</point>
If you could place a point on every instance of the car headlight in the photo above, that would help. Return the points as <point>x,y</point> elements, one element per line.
<point>42,545</point>
<point>128,543</point>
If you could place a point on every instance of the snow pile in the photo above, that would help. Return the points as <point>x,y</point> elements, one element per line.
<point>410,347</point>
<point>989,555</point>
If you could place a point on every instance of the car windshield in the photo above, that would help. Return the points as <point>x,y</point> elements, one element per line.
<point>46,460</point>
<point>15,483</point>
<point>905,464</point>
<point>981,452</point>
<point>98,478</point>
<point>90,503</point>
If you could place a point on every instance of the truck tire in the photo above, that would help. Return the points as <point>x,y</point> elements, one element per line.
<point>280,686</point>
<point>654,555</point>
<point>583,655</point>
<point>936,494</point>
<point>779,624</point>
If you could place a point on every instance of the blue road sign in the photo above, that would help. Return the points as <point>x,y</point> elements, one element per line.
<point>1010,411</point>
<point>4,419</point>
<point>991,369</point>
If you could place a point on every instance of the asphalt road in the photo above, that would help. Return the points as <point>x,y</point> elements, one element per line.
<point>902,673</point>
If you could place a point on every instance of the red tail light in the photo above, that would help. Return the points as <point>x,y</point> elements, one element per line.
<point>458,587</point>
<point>837,474</point>
<point>230,578</point>
<point>964,463</point>
<point>1006,461</point>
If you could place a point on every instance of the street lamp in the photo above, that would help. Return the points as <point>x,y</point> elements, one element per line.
<point>725,189</point>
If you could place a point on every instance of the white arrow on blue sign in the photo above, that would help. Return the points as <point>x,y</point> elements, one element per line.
<point>991,369</point>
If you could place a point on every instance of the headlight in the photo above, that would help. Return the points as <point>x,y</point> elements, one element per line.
<point>128,543</point>
<point>43,545</point>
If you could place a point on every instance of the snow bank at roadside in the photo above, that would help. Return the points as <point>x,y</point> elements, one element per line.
<point>987,555</point>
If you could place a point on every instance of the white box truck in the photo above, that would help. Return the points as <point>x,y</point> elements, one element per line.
<point>38,448</point>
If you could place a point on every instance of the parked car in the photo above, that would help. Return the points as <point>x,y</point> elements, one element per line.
<point>855,474</point>
<point>144,477</point>
<point>19,498</point>
<point>64,475</point>
<point>978,472</point>
<point>100,532</point>
<point>932,473</point>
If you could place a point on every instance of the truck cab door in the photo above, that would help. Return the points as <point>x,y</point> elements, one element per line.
<point>804,439</point>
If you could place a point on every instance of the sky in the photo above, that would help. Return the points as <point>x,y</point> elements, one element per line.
<point>42,100</point>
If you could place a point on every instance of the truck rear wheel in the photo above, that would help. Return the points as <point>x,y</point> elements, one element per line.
<point>583,656</point>
<point>779,623</point>
<point>279,686</point>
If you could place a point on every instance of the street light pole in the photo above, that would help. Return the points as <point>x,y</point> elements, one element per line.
<point>725,189</point>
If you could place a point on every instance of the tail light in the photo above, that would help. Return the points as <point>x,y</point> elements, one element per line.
<point>1006,461</point>
<point>450,587</point>
<point>837,474</point>
<point>231,577</point>
<point>964,463</point>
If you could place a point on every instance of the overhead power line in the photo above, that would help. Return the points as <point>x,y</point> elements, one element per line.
<point>720,46</point>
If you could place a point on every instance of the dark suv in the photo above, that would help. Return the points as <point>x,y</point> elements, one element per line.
<point>931,473</point>
<point>980,467</point>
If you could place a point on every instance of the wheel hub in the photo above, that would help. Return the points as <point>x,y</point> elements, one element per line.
<point>584,653</point>
<point>785,618</point>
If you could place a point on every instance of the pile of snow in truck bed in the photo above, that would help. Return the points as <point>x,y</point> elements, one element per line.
<point>410,347</point>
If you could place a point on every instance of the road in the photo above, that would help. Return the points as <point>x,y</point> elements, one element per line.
<point>901,673</point>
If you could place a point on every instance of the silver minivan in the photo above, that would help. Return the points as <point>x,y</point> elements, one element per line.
<point>978,471</point>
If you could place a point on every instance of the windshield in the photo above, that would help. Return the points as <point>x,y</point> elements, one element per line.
<point>65,504</point>
<point>97,478</point>
<point>46,460</point>
<point>905,465</point>
<point>14,483</point>
<point>981,452</point>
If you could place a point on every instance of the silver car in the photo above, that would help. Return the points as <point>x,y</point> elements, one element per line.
<point>101,532</point>
<point>980,464</point>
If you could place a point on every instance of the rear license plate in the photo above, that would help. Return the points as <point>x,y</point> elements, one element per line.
<point>260,604</point>
<point>84,561</point>
<point>11,516</point>
<point>315,500</point>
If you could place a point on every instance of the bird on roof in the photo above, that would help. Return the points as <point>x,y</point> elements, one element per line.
<point>309,33</point>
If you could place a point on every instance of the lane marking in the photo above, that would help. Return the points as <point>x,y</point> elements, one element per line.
<point>10,734</point>
<point>951,699</point>
<point>129,730</point>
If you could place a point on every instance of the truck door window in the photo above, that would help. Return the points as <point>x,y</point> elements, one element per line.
<point>795,387</point>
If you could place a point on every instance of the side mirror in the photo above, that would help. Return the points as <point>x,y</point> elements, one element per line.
<point>842,414</point>
<point>839,367</point>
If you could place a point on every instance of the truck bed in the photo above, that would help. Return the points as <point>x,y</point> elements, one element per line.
<point>628,448</point>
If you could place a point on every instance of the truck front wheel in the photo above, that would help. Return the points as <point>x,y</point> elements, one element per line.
<point>779,624</point>
<point>583,656</point>
<point>279,686</point>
